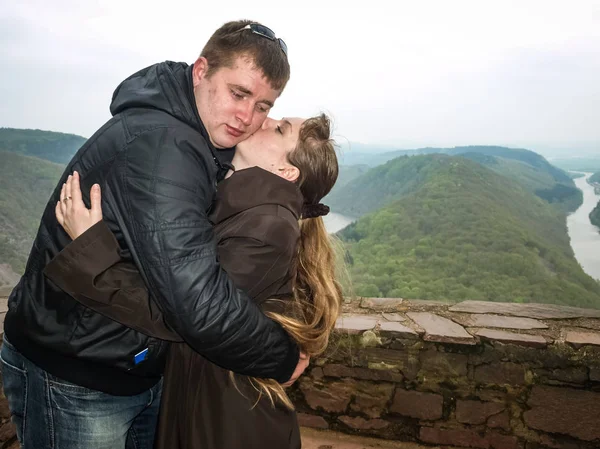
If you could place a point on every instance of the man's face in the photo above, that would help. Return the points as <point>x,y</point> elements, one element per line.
<point>234,102</point>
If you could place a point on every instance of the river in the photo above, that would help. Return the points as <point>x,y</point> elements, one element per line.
<point>585,237</point>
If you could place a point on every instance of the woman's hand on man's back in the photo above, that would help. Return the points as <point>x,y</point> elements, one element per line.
<point>71,212</point>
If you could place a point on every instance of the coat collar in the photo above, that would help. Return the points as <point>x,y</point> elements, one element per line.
<point>252,187</point>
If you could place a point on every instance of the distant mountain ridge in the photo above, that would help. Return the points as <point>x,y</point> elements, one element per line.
<point>371,190</point>
<point>521,154</point>
<point>452,229</point>
<point>49,145</point>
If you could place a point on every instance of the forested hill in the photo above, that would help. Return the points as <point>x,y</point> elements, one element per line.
<point>523,155</point>
<point>595,216</point>
<point>544,180</point>
<point>25,186</point>
<point>594,180</point>
<point>456,230</point>
<point>380,185</point>
<point>48,145</point>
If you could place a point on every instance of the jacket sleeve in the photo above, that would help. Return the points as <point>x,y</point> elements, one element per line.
<point>91,270</point>
<point>163,189</point>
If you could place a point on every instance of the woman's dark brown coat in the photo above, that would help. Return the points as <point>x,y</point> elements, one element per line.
<point>256,223</point>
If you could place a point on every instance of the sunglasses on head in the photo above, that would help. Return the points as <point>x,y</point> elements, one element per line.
<point>267,32</point>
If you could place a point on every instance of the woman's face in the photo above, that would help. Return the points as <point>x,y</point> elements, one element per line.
<point>268,147</point>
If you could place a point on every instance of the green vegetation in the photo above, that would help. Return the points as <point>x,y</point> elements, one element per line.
<point>394,179</point>
<point>447,228</point>
<point>49,145</point>
<point>26,183</point>
<point>595,215</point>
<point>539,177</point>
<point>574,175</point>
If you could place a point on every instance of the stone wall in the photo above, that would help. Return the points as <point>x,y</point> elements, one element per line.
<point>480,375</point>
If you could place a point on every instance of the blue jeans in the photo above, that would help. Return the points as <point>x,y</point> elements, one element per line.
<point>50,413</point>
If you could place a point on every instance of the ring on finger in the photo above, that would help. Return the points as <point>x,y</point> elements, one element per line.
<point>66,198</point>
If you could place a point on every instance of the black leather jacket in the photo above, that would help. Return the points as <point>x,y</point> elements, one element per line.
<point>158,173</point>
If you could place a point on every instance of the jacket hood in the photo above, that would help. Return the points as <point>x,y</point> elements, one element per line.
<point>252,187</point>
<point>166,86</point>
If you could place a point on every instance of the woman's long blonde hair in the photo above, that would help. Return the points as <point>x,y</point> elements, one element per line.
<point>317,294</point>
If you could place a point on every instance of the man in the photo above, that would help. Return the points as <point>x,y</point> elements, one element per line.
<point>75,379</point>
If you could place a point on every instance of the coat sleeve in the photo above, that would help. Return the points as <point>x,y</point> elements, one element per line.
<point>91,270</point>
<point>165,186</point>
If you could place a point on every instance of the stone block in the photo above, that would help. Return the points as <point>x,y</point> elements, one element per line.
<point>390,359</point>
<point>564,410</point>
<point>573,375</point>
<point>359,423</point>
<point>337,370</point>
<point>499,321</point>
<point>371,399</point>
<point>500,374</point>
<point>595,374</point>
<point>317,373</point>
<point>396,317</point>
<point>500,421</point>
<point>444,364</point>
<point>395,329</point>
<point>555,443</point>
<point>491,395</point>
<point>582,338</point>
<point>417,404</point>
<point>499,441</point>
<point>356,324</point>
<point>534,341</point>
<point>440,329</point>
<point>454,437</point>
<point>476,412</point>
<point>314,421</point>
<point>530,310</point>
<point>333,397</point>
<point>381,304</point>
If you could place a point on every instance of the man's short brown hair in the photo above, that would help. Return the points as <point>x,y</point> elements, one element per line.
<point>232,41</point>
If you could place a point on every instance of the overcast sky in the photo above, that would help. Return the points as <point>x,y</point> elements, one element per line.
<point>401,73</point>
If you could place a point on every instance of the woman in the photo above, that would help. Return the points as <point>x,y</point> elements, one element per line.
<point>270,238</point>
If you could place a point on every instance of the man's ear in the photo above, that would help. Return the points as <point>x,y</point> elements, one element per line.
<point>199,70</point>
<point>289,172</point>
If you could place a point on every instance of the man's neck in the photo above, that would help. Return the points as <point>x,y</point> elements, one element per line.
<point>237,163</point>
